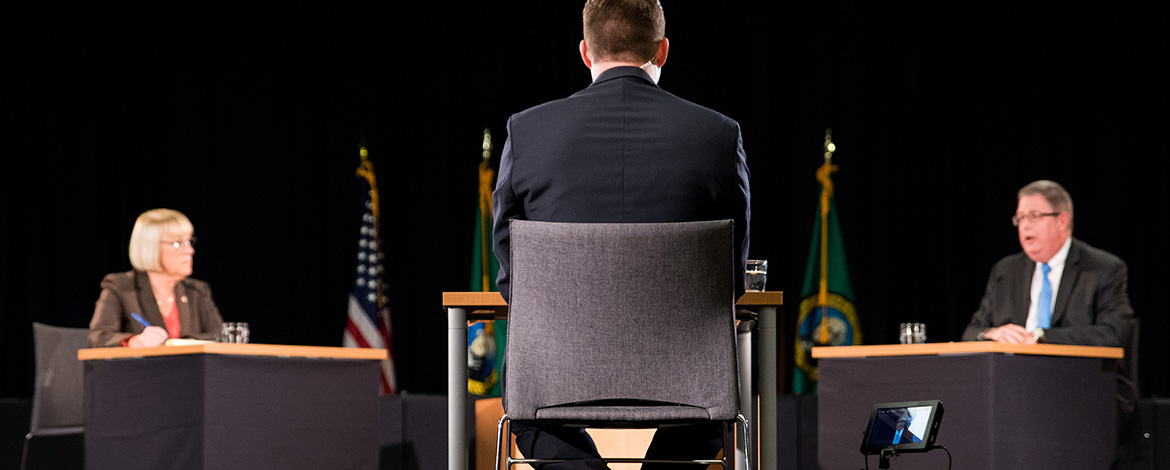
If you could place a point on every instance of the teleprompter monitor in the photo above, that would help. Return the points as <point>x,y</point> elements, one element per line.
<point>907,426</point>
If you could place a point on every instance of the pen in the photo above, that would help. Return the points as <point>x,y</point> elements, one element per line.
<point>139,319</point>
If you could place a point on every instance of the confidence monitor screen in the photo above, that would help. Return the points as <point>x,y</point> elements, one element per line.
<point>909,426</point>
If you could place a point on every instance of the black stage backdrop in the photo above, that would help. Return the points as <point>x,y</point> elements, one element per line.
<point>247,118</point>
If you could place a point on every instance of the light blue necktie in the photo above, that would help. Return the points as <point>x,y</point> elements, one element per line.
<point>1044,304</point>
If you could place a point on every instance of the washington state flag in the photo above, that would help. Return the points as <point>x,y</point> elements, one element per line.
<point>485,340</point>
<point>827,316</point>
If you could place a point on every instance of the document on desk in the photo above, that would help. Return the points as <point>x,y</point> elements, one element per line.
<point>186,342</point>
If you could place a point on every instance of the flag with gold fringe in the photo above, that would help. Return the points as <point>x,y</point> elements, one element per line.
<point>827,316</point>
<point>368,325</point>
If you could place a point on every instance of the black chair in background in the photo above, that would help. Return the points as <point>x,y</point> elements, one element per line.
<point>55,438</point>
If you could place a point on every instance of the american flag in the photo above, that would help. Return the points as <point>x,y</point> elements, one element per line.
<point>369,316</point>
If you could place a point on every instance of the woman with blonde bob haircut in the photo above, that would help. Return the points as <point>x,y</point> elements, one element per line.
<point>158,290</point>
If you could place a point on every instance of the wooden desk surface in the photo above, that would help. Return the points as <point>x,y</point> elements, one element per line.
<point>965,347</point>
<point>237,349</point>
<point>492,299</point>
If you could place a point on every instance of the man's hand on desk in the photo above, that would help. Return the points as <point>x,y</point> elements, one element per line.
<point>1010,334</point>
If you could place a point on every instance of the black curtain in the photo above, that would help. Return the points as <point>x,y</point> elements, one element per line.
<point>247,118</point>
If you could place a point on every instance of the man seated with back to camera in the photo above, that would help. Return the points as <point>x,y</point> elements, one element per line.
<point>622,150</point>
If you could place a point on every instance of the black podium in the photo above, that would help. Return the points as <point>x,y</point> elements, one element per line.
<point>1038,407</point>
<point>231,406</point>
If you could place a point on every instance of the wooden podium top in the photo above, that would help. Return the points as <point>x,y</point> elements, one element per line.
<point>280,350</point>
<point>965,347</point>
<point>493,299</point>
<point>473,299</point>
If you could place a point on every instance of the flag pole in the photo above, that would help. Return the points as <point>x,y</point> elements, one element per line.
<point>826,198</point>
<point>367,328</point>
<point>485,209</point>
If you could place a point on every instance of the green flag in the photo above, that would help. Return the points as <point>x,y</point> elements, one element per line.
<point>827,316</point>
<point>483,263</point>
<point>485,339</point>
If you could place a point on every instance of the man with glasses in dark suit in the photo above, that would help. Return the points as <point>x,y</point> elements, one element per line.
<point>1060,290</point>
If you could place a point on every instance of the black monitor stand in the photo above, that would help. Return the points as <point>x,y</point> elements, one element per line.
<point>884,459</point>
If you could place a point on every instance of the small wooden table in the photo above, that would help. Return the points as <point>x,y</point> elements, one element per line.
<point>464,306</point>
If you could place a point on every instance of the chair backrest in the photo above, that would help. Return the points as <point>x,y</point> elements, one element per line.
<point>618,314</point>
<point>57,395</point>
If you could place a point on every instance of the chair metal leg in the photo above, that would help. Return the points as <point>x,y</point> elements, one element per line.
<point>730,446</point>
<point>747,440</point>
<point>24,454</point>
<point>499,437</point>
<point>747,400</point>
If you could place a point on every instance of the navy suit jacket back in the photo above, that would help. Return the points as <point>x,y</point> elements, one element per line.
<point>622,150</point>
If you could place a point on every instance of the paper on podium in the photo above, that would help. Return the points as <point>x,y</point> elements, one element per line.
<point>186,342</point>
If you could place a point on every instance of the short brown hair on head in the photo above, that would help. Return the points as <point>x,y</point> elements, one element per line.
<point>623,30</point>
<point>1054,193</point>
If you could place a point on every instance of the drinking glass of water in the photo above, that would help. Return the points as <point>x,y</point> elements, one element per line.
<point>233,332</point>
<point>757,274</point>
<point>912,333</point>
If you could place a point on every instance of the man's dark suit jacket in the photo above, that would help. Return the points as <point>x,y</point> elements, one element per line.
<point>907,438</point>
<point>887,437</point>
<point>883,433</point>
<point>622,150</point>
<point>1092,306</point>
<point>130,292</point>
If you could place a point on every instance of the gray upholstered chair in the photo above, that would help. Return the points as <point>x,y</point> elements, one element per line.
<point>57,395</point>
<point>628,325</point>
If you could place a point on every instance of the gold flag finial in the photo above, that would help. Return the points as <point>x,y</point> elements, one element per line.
<point>487,143</point>
<point>829,146</point>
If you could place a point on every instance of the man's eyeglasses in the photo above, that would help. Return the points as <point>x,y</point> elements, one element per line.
<point>178,244</point>
<point>1032,217</point>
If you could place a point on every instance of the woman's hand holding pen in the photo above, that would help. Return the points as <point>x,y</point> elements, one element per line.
<point>153,336</point>
<point>150,337</point>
